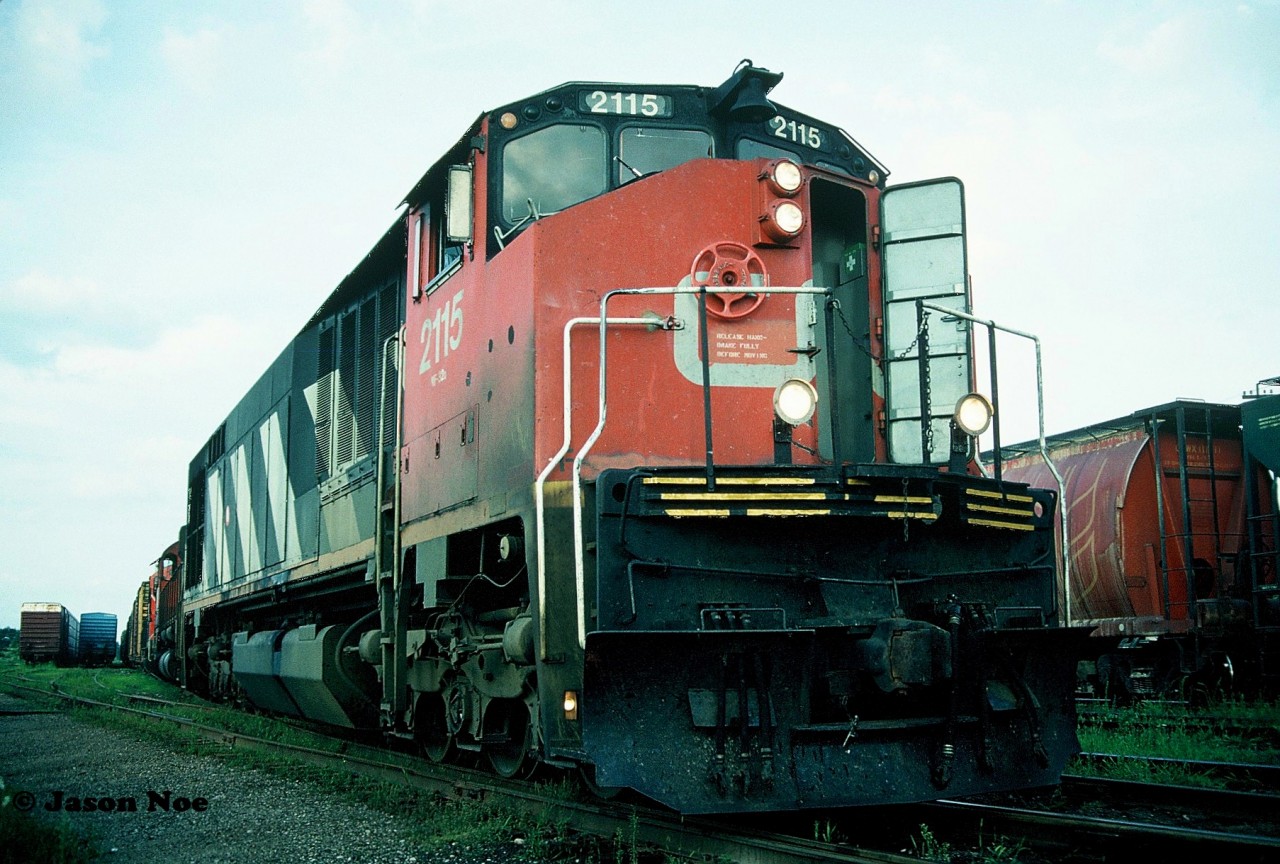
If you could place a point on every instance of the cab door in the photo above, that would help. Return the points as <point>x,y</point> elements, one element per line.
<point>928,356</point>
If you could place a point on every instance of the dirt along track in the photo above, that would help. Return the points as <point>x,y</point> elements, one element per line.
<point>293,816</point>
<point>218,812</point>
<point>654,835</point>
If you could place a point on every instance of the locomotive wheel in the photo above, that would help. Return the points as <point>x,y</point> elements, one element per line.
<point>587,772</point>
<point>431,729</point>
<point>506,722</point>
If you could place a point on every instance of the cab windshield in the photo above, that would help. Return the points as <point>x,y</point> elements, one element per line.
<point>551,169</point>
<point>558,166</point>
<point>643,150</point>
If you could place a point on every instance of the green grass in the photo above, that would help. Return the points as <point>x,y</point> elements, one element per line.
<point>1175,742</point>
<point>24,839</point>
<point>1152,730</point>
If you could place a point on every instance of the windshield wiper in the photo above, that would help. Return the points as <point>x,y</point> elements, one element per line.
<point>618,159</point>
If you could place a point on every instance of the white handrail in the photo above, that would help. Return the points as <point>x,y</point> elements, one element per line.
<point>1044,450</point>
<point>540,483</point>
<point>578,541</point>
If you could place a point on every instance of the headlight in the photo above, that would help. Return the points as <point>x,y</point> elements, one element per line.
<point>782,221</point>
<point>786,177</point>
<point>794,401</point>
<point>973,414</point>
<point>789,216</point>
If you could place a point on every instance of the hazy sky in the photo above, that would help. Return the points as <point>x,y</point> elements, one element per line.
<point>182,183</point>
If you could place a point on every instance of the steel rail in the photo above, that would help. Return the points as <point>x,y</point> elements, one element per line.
<point>1266,776</point>
<point>1153,839</point>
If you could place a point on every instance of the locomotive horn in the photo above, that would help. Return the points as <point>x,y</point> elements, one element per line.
<point>743,96</point>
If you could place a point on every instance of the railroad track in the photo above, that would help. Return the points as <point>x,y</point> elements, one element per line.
<point>1059,835</point>
<point>1102,719</point>
<point>1258,811</point>
<point>1122,816</point>
<point>1076,836</point>
<point>1237,775</point>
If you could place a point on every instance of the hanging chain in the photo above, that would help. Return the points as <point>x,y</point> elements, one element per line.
<point>926,374</point>
<point>864,345</point>
<point>926,382</point>
<point>906,521</point>
<point>922,330</point>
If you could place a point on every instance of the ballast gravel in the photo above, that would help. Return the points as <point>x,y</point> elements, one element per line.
<point>247,815</point>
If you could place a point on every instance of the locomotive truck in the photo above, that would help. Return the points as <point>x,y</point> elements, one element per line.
<point>642,444</point>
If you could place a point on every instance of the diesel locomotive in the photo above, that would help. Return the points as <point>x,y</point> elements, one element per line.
<point>150,632</point>
<point>643,444</point>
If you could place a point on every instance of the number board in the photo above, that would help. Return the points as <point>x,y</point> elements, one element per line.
<point>797,132</point>
<point>619,102</point>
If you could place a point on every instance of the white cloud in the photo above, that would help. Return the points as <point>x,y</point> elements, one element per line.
<point>1163,48</point>
<point>58,40</point>
<point>194,58</point>
<point>334,26</point>
<point>40,293</point>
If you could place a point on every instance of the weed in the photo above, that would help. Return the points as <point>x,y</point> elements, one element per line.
<point>625,850</point>
<point>827,832</point>
<point>929,847</point>
<point>999,848</point>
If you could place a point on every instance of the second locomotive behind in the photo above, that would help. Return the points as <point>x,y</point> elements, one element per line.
<point>643,444</point>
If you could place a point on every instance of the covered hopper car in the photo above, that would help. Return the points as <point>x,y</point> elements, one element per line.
<point>642,444</point>
<point>1172,543</point>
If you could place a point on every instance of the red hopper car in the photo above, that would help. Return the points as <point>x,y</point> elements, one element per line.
<point>1172,526</point>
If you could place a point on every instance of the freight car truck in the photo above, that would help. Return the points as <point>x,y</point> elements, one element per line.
<point>50,633</point>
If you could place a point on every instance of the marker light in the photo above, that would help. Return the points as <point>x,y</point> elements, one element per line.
<point>973,414</point>
<point>794,401</point>
<point>570,705</point>
<point>508,120</point>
